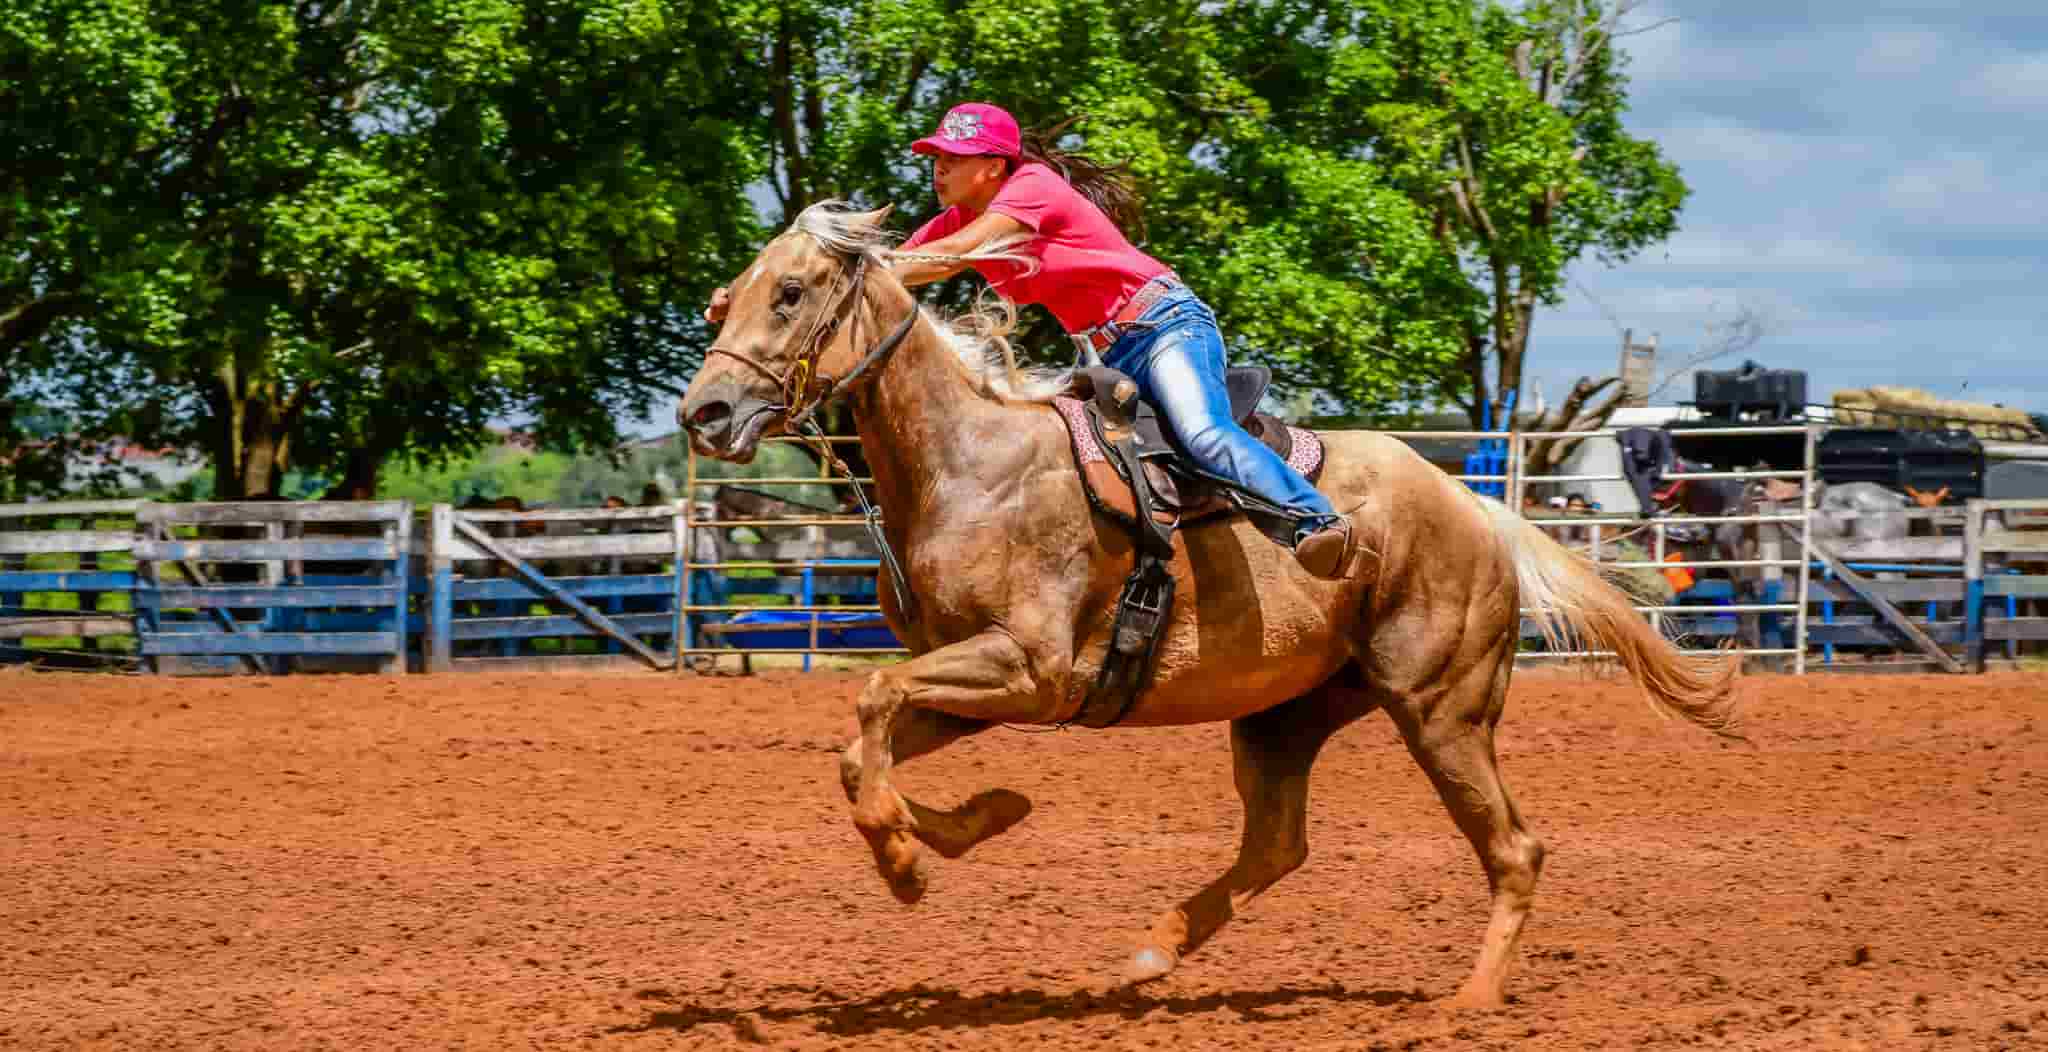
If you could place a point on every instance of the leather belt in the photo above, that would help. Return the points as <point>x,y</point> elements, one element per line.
<point>1101,336</point>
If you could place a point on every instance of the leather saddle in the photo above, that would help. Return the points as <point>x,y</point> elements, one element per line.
<point>1134,473</point>
<point>1107,411</point>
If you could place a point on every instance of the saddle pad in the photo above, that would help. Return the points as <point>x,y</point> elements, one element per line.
<point>1109,493</point>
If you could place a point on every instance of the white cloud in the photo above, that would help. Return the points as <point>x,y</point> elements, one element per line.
<point>1894,50</point>
<point>1962,192</point>
<point>2020,82</point>
<point>1769,250</point>
<point>1756,153</point>
<point>1931,187</point>
<point>1868,176</point>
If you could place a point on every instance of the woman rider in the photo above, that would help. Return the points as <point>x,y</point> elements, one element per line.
<point>1130,307</point>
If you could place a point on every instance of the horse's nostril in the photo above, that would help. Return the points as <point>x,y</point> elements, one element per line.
<point>710,413</point>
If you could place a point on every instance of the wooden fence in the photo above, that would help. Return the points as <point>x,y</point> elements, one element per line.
<point>277,587</point>
<point>501,581</point>
<point>271,585</point>
<point>2007,566</point>
<point>66,577</point>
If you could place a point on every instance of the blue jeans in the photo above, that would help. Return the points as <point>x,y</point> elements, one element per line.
<point>1175,353</point>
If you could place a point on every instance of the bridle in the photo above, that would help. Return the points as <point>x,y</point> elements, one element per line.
<point>798,418</point>
<point>804,371</point>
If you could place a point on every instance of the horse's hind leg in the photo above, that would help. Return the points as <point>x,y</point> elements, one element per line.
<point>950,833</point>
<point>1271,754</point>
<point>1451,736</point>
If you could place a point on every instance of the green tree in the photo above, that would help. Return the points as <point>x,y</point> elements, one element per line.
<point>328,233</point>
<point>1503,124</point>
<point>1315,264</point>
<point>1376,195</point>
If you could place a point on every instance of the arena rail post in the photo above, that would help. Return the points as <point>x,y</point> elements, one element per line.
<point>1973,585</point>
<point>2016,534</point>
<point>679,526</point>
<point>441,590</point>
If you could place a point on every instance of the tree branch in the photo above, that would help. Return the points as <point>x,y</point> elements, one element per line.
<point>919,63</point>
<point>1735,336</point>
<point>24,324</point>
<point>785,123</point>
<point>1467,190</point>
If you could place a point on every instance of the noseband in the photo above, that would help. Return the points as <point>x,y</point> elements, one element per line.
<point>798,381</point>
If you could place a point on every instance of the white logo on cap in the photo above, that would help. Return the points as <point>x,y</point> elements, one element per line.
<point>959,126</point>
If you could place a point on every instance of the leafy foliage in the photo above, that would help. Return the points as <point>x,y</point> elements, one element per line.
<point>324,236</point>
<point>326,233</point>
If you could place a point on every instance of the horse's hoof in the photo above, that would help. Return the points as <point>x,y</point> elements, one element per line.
<point>1147,964</point>
<point>909,887</point>
<point>1471,1000</point>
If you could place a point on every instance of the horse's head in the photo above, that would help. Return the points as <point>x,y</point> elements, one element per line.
<point>784,343</point>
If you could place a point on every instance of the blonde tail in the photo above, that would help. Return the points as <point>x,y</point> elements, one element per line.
<point>1576,610</point>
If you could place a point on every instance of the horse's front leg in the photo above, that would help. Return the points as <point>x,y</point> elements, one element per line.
<point>919,732</point>
<point>987,677</point>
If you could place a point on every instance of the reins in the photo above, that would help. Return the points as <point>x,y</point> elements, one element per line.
<point>800,416</point>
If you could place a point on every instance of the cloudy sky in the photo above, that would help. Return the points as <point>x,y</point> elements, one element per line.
<point>1871,177</point>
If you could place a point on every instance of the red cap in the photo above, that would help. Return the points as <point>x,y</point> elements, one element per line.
<point>973,128</point>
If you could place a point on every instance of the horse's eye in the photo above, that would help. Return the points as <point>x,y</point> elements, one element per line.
<point>791,294</point>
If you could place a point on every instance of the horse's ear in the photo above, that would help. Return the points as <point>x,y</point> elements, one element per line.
<point>875,218</point>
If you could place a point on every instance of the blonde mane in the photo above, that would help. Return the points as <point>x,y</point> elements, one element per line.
<point>980,338</point>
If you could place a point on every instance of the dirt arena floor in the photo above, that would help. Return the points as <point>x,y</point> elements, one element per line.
<point>633,862</point>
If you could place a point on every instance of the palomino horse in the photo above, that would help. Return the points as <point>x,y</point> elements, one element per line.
<point>1013,578</point>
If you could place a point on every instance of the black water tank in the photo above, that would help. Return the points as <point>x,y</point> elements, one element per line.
<point>1924,460</point>
<point>1770,394</point>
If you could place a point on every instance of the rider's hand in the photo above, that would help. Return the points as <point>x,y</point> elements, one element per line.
<point>721,301</point>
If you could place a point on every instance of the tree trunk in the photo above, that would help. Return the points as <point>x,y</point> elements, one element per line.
<point>252,448</point>
<point>359,474</point>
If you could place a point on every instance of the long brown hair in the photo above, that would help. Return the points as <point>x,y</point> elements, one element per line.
<point>1107,187</point>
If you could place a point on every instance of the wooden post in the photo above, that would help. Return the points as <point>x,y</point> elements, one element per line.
<point>684,569</point>
<point>148,619</point>
<point>1516,484</point>
<point>1973,586</point>
<point>1637,370</point>
<point>679,525</point>
<point>276,619</point>
<point>399,576</point>
<point>441,590</point>
<point>1805,547</point>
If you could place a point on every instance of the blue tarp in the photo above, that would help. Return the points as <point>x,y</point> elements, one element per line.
<point>790,629</point>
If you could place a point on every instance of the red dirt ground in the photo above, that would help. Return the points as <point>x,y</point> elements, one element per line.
<point>651,862</point>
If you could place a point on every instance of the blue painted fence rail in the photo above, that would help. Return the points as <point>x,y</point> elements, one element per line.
<point>312,579</point>
<point>315,581</point>
<point>56,583</point>
<point>614,574</point>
